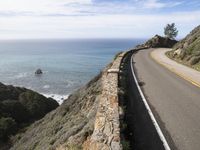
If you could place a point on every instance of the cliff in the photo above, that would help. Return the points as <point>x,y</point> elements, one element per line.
<point>88,119</point>
<point>187,51</point>
<point>66,127</point>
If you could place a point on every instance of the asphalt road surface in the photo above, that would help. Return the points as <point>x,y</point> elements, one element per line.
<point>174,101</point>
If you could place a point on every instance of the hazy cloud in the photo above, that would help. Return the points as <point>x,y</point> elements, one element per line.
<point>94,18</point>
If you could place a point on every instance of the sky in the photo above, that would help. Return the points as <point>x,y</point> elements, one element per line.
<point>36,19</point>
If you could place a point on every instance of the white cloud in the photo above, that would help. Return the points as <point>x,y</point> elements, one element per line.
<point>95,26</point>
<point>84,19</point>
<point>154,4</point>
<point>77,7</point>
<point>151,4</point>
<point>39,6</point>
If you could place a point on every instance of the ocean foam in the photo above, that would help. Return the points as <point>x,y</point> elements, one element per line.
<point>46,86</point>
<point>21,75</point>
<point>58,98</point>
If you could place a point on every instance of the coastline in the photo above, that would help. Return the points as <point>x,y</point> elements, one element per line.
<point>59,98</point>
<point>66,64</point>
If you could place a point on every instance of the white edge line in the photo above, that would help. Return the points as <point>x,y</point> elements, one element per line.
<point>162,137</point>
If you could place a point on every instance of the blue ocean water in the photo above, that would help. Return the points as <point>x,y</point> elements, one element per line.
<point>67,64</point>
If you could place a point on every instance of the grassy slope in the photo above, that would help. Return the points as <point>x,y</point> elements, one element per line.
<point>189,50</point>
<point>68,126</point>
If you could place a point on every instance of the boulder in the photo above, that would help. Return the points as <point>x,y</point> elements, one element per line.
<point>38,71</point>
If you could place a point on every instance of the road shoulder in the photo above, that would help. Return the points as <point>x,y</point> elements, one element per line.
<point>184,72</point>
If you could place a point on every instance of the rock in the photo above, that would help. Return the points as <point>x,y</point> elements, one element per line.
<point>38,71</point>
<point>158,41</point>
<point>177,52</point>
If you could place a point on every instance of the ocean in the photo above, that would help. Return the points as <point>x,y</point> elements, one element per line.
<point>66,64</point>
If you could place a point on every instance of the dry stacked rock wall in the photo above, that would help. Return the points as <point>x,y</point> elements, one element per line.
<point>106,134</point>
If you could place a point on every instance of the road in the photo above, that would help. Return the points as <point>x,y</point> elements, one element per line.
<point>174,101</point>
<point>185,72</point>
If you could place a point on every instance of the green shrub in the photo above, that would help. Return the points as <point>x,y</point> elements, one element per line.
<point>7,127</point>
<point>194,60</point>
<point>19,107</point>
<point>9,92</point>
<point>36,104</point>
<point>125,145</point>
<point>15,110</point>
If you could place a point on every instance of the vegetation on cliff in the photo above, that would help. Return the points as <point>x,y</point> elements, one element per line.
<point>187,51</point>
<point>19,107</point>
<point>67,127</point>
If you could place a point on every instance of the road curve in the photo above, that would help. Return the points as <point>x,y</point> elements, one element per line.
<point>175,102</point>
<point>189,74</point>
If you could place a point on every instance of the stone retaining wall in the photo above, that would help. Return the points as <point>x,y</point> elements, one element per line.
<point>106,134</point>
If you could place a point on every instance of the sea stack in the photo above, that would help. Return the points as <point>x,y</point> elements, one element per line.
<point>38,71</point>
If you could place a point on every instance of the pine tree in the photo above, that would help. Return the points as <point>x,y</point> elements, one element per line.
<point>170,31</point>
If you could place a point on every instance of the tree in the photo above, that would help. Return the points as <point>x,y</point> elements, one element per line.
<point>171,31</point>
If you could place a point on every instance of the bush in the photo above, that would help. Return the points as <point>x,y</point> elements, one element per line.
<point>7,127</point>
<point>125,145</point>
<point>15,110</point>
<point>19,107</point>
<point>9,92</point>
<point>36,104</point>
<point>194,60</point>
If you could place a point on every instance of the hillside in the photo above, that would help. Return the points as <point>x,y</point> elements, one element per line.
<point>158,41</point>
<point>187,51</point>
<point>19,107</point>
<point>72,121</point>
<point>88,119</point>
